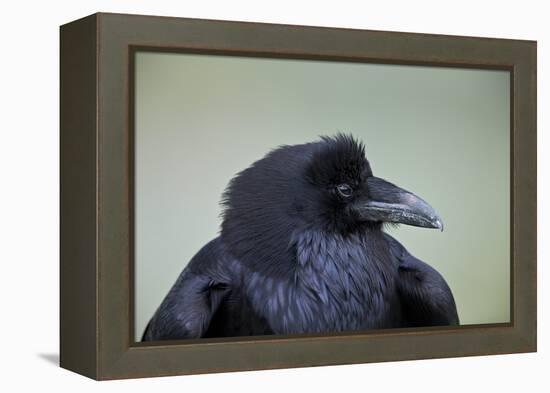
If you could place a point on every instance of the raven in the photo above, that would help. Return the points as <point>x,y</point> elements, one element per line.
<point>302,250</point>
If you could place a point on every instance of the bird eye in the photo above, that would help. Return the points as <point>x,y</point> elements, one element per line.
<point>344,190</point>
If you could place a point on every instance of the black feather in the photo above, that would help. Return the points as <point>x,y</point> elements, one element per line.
<point>291,258</point>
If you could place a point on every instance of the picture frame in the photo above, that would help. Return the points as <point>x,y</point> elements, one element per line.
<point>97,201</point>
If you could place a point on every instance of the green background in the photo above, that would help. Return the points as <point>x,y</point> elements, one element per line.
<point>442,133</point>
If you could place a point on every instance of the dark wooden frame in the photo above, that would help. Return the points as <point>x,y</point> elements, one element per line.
<point>97,195</point>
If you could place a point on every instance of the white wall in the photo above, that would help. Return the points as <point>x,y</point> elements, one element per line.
<point>29,170</point>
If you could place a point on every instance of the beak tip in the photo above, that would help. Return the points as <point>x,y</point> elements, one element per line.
<point>439,224</point>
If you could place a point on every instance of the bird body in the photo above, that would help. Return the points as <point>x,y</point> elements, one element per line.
<point>302,250</point>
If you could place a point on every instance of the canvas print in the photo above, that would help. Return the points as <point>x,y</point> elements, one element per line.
<point>284,197</point>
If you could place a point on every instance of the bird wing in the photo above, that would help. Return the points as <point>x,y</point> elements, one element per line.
<point>189,306</point>
<point>425,296</point>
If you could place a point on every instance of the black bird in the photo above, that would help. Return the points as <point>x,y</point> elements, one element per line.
<point>302,250</point>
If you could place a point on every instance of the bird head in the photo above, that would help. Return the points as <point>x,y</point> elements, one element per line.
<point>325,186</point>
<point>349,196</point>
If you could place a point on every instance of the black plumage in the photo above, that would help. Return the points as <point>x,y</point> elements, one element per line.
<point>302,250</point>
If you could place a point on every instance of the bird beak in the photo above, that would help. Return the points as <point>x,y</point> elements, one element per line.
<point>389,203</point>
